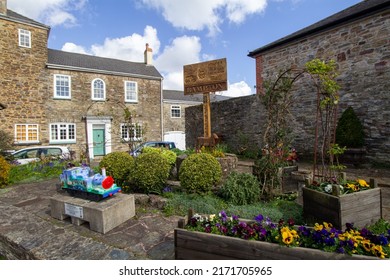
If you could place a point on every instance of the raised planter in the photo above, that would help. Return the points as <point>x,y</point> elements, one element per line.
<point>360,208</point>
<point>191,245</point>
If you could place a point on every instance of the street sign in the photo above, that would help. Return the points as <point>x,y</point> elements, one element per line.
<point>205,77</point>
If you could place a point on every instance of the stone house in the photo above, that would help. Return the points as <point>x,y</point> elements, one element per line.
<point>174,107</point>
<point>51,97</point>
<point>358,40</point>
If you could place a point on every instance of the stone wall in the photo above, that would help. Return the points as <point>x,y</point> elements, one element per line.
<point>22,75</point>
<point>362,54</point>
<point>238,121</point>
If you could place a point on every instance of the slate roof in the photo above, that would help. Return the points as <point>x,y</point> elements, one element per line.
<point>15,16</point>
<point>89,63</point>
<point>361,10</point>
<point>178,96</point>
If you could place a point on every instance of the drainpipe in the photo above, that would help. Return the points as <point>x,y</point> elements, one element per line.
<point>162,109</point>
<point>88,160</point>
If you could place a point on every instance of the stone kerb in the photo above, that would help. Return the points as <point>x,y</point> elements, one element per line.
<point>102,216</point>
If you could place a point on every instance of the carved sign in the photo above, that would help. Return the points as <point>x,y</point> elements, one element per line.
<point>209,76</point>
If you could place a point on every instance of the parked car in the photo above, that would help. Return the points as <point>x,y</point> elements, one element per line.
<point>154,144</point>
<point>31,154</point>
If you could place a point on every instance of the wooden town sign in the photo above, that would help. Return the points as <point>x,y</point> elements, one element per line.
<point>204,77</point>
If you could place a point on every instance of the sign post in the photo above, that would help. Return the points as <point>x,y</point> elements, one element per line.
<point>205,77</point>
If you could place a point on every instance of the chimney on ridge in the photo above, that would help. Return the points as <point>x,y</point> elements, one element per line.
<point>148,56</point>
<point>3,7</point>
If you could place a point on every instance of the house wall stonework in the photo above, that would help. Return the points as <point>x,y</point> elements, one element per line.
<point>22,75</point>
<point>147,110</point>
<point>361,51</point>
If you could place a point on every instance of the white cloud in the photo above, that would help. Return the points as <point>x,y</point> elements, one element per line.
<point>71,47</point>
<point>182,51</point>
<point>237,90</point>
<point>130,47</point>
<point>50,12</point>
<point>199,14</point>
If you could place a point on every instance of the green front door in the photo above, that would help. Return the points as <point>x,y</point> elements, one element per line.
<point>98,142</point>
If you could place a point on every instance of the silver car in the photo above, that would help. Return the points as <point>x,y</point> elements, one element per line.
<point>31,154</point>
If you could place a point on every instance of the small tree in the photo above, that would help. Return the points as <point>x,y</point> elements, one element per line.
<point>349,131</point>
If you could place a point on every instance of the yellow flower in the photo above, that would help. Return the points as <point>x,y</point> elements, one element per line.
<point>328,225</point>
<point>363,183</point>
<point>318,227</point>
<point>211,217</point>
<point>367,245</point>
<point>378,251</point>
<point>287,237</point>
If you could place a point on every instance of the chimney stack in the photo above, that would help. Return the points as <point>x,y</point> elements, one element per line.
<point>3,7</point>
<point>148,56</point>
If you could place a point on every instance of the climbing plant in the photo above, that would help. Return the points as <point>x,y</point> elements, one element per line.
<point>324,75</point>
<point>277,99</point>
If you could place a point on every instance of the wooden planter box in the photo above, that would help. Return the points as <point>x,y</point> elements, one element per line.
<point>190,245</point>
<point>360,208</point>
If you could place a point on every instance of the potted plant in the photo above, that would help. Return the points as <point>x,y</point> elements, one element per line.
<point>227,237</point>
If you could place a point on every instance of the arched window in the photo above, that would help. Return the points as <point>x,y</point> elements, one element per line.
<point>98,89</point>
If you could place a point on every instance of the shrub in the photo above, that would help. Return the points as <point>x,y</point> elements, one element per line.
<point>349,131</point>
<point>151,172</point>
<point>5,168</point>
<point>118,165</point>
<point>169,155</point>
<point>199,173</point>
<point>241,189</point>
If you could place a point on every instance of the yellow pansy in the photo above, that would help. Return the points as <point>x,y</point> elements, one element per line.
<point>362,183</point>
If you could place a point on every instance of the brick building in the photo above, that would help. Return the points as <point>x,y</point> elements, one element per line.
<point>49,96</point>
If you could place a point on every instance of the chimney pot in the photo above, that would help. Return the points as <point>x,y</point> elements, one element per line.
<point>148,55</point>
<point>3,7</point>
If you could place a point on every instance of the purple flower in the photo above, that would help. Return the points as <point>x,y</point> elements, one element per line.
<point>259,218</point>
<point>223,216</point>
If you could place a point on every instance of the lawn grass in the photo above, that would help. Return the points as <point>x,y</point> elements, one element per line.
<point>179,203</point>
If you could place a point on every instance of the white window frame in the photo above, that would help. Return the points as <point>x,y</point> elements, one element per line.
<point>128,97</point>
<point>62,129</point>
<point>56,95</point>
<point>28,128</point>
<point>174,110</point>
<point>137,132</point>
<point>99,90</point>
<point>24,38</point>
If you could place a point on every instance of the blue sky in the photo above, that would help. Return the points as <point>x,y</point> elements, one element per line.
<point>180,32</point>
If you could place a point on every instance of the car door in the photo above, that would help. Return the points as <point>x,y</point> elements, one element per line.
<point>26,156</point>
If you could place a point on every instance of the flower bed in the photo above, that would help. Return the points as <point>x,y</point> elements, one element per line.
<point>223,237</point>
<point>353,202</point>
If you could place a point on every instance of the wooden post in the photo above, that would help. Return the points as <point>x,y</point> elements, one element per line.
<point>206,115</point>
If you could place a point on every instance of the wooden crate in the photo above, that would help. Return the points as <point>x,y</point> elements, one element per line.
<point>360,208</point>
<point>191,245</point>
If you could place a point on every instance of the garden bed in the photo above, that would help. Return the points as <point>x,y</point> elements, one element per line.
<point>191,245</point>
